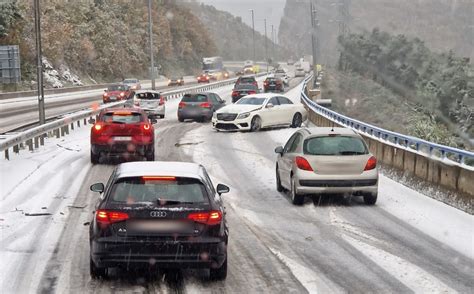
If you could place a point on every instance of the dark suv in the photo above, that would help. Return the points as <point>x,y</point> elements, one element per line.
<point>164,214</point>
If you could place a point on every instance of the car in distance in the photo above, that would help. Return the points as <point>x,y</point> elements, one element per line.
<point>199,106</point>
<point>203,78</point>
<point>299,72</point>
<point>134,84</point>
<point>241,90</point>
<point>247,79</point>
<point>258,111</point>
<point>161,214</point>
<point>272,84</point>
<point>151,102</point>
<point>176,81</point>
<point>249,69</point>
<point>122,132</point>
<point>283,75</point>
<point>326,161</point>
<point>117,92</point>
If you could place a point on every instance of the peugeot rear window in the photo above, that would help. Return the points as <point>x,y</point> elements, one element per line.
<point>158,190</point>
<point>334,145</point>
<point>194,98</point>
<point>122,117</point>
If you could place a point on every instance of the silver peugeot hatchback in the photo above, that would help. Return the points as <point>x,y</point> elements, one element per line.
<point>326,161</point>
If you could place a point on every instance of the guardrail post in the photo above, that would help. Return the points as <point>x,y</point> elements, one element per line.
<point>78,123</point>
<point>36,142</point>
<point>16,149</point>
<point>66,129</point>
<point>42,139</point>
<point>85,121</point>
<point>30,144</point>
<point>72,126</point>
<point>57,133</point>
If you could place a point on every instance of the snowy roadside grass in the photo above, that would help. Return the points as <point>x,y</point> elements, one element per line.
<point>36,190</point>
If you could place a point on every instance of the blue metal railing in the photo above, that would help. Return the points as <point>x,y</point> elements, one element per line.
<point>423,147</point>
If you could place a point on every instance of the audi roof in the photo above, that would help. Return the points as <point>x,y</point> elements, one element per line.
<point>160,168</point>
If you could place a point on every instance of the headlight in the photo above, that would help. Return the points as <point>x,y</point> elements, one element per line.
<point>243,115</point>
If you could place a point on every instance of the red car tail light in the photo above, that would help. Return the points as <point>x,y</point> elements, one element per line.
<point>106,94</point>
<point>265,83</point>
<point>97,127</point>
<point>302,163</point>
<point>162,101</point>
<point>146,127</point>
<point>182,104</point>
<point>213,217</point>
<point>205,105</point>
<point>122,94</point>
<point>371,163</point>
<point>235,93</point>
<point>158,178</point>
<point>107,217</point>
<point>252,92</point>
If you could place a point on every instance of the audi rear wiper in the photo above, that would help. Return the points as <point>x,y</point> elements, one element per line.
<point>162,202</point>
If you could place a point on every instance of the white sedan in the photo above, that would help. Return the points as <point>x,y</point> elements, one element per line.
<point>258,111</point>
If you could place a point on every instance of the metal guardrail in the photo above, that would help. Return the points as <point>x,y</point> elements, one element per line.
<point>34,137</point>
<point>425,148</point>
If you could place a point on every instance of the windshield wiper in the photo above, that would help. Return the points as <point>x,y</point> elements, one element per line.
<point>351,153</point>
<point>162,202</point>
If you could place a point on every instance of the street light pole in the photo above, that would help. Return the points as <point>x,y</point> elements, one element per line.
<point>39,68</point>
<point>273,44</point>
<point>253,34</point>
<point>150,30</point>
<point>314,24</point>
<point>266,51</point>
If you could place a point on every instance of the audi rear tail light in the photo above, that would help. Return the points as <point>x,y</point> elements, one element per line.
<point>107,217</point>
<point>213,217</point>
<point>302,163</point>
<point>205,105</point>
<point>182,104</point>
<point>371,163</point>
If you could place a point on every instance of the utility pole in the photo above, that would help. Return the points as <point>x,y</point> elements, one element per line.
<point>266,51</point>
<point>253,34</point>
<point>344,17</point>
<point>39,68</point>
<point>314,38</point>
<point>273,44</point>
<point>150,32</point>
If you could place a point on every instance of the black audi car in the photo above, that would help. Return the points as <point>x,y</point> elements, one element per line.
<point>163,214</point>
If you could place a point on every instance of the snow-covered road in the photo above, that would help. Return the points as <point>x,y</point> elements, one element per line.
<point>407,242</point>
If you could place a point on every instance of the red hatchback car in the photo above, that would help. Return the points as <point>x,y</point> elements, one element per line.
<point>117,93</point>
<point>203,78</point>
<point>124,132</point>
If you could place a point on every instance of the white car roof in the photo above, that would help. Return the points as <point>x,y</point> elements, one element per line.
<point>265,95</point>
<point>159,168</point>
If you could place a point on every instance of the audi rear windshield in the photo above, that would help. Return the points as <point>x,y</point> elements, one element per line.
<point>334,145</point>
<point>122,117</point>
<point>159,191</point>
<point>251,101</point>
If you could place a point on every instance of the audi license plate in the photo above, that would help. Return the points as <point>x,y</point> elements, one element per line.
<point>157,226</point>
<point>122,138</point>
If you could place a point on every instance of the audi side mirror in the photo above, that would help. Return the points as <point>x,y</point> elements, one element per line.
<point>221,189</point>
<point>97,187</point>
<point>279,150</point>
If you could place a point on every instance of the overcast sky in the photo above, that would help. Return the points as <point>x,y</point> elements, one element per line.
<point>272,10</point>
